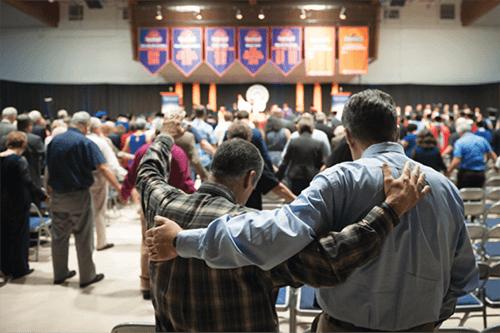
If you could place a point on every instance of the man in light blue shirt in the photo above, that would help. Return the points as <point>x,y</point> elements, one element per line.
<point>469,154</point>
<point>424,266</point>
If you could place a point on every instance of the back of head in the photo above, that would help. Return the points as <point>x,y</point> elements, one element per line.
<point>174,111</point>
<point>320,117</point>
<point>140,124</point>
<point>95,123</point>
<point>463,125</point>
<point>228,116</point>
<point>199,112</point>
<point>9,112</point>
<point>80,118</point>
<point>425,139</point>
<point>412,127</point>
<point>370,117</point>
<point>24,122</point>
<point>242,114</point>
<point>305,126</point>
<point>35,116</point>
<point>239,129</point>
<point>235,158</point>
<point>16,139</point>
<point>61,114</point>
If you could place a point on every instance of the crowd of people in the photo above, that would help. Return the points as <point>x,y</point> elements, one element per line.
<point>187,171</point>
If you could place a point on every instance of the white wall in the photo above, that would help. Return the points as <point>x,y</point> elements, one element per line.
<point>418,48</point>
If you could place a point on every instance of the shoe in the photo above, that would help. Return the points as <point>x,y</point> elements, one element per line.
<point>97,278</point>
<point>69,276</point>
<point>29,271</point>
<point>146,295</point>
<point>105,247</point>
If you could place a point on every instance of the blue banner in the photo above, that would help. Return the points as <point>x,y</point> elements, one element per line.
<point>220,48</point>
<point>253,48</point>
<point>153,48</point>
<point>286,48</point>
<point>187,48</point>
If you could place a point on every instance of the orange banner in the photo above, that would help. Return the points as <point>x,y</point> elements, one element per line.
<point>353,50</point>
<point>196,94</point>
<point>319,51</point>
<point>317,98</point>
<point>212,96</point>
<point>299,97</point>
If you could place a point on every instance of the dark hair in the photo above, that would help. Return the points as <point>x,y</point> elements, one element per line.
<point>370,116</point>
<point>425,139</point>
<point>199,112</point>
<point>304,125</point>
<point>235,158</point>
<point>273,124</point>
<point>242,115</point>
<point>16,139</point>
<point>239,129</point>
<point>23,122</point>
<point>228,116</point>
<point>411,127</point>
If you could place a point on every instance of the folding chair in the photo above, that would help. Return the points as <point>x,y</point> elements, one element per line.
<point>472,194</point>
<point>134,327</point>
<point>493,194</point>
<point>39,225</point>
<point>493,329</point>
<point>473,210</point>
<point>283,299</point>
<point>491,244</point>
<point>492,288</point>
<point>493,181</point>
<point>458,330</point>
<point>477,234</point>
<point>493,210</point>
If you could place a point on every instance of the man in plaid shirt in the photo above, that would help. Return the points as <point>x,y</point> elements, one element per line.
<point>190,296</point>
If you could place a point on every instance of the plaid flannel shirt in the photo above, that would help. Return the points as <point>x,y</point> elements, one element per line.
<point>190,296</point>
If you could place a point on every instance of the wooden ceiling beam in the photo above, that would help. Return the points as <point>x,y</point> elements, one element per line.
<point>472,10</point>
<point>44,11</point>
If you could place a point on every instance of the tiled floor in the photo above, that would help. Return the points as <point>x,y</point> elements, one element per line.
<point>34,304</point>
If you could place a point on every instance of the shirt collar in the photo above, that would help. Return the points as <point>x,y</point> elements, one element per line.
<point>74,129</point>
<point>218,190</point>
<point>384,147</point>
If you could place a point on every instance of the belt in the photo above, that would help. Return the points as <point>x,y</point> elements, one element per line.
<point>428,327</point>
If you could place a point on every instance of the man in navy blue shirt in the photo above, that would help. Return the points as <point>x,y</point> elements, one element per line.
<point>469,156</point>
<point>71,158</point>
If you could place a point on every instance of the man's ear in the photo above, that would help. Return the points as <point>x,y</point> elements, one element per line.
<point>250,179</point>
<point>349,138</point>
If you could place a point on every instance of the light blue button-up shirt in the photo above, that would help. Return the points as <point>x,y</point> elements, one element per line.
<point>425,264</point>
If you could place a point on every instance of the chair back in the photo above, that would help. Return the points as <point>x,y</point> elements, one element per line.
<point>493,329</point>
<point>472,208</point>
<point>477,232</point>
<point>134,327</point>
<point>495,270</point>
<point>458,330</point>
<point>495,208</point>
<point>494,232</point>
<point>493,181</point>
<point>472,194</point>
<point>493,194</point>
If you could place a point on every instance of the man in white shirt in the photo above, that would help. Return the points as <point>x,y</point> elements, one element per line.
<point>99,190</point>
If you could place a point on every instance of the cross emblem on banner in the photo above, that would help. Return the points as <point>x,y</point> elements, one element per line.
<point>153,57</point>
<point>253,56</point>
<point>186,57</point>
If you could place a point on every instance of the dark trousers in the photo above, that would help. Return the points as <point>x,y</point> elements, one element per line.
<point>15,242</point>
<point>470,178</point>
<point>329,324</point>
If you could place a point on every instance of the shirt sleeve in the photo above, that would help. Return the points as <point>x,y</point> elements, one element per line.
<point>457,150</point>
<point>248,239</point>
<point>329,261</point>
<point>94,155</point>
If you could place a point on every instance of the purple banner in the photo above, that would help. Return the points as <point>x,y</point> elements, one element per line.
<point>153,48</point>
<point>220,48</point>
<point>187,48</point>
<point>253,48</point>
<point>286,48</point>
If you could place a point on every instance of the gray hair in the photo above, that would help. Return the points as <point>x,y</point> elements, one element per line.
<point>463,126</point>
<point>173,111</point>
<point>9,112</point>
<point>35,115</point>
<point>80,118</point>
<point>62,113</point>
<point>95,123</point>
<point>140,123</point>
<point>235,158</point>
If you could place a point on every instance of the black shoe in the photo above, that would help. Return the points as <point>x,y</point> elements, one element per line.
<point>69,276</point>
<point>105,247</point>
<point>29,271</point>
<point>97,278</point>
<point>146,295</point>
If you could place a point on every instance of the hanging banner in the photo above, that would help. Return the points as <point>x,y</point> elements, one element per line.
<point>153,48</point>
<point>186,48</point>
<point>286,48</point>
<point>220,48</point>
<point>353,50</point>
<point>253,48</point>
<point>319,51</point>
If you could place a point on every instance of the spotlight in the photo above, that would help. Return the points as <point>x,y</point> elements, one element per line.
<point>303,14</point>
<point>261,15</point>
<point>342,14</point>
<point>239,16</point>
<point>158,16</point>
<point>199,16</point>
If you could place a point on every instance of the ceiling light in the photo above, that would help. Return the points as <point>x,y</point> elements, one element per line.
<point>239,16</point>
<point>199,16</point>
<point>316,7</point>
<point>187,9</point>
<point>261,15</point>
<point>303,14</point>
<point>342,14</point>
<point>158,16</point>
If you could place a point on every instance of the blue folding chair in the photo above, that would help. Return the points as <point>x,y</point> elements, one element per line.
<point>283,299</point>
<point>492,288</point>
<point>492,244</point>
<point>39,225</point>
<point>306,302</point>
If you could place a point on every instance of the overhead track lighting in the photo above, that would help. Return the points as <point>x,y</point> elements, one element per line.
<point>303,14</point>
<point>342,14</point>
<point>261,15</point>
<point>199,16</point>
<point>158,16</point>
<point>239,16</point>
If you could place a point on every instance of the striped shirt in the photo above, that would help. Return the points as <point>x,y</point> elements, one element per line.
<point>190,296</point>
